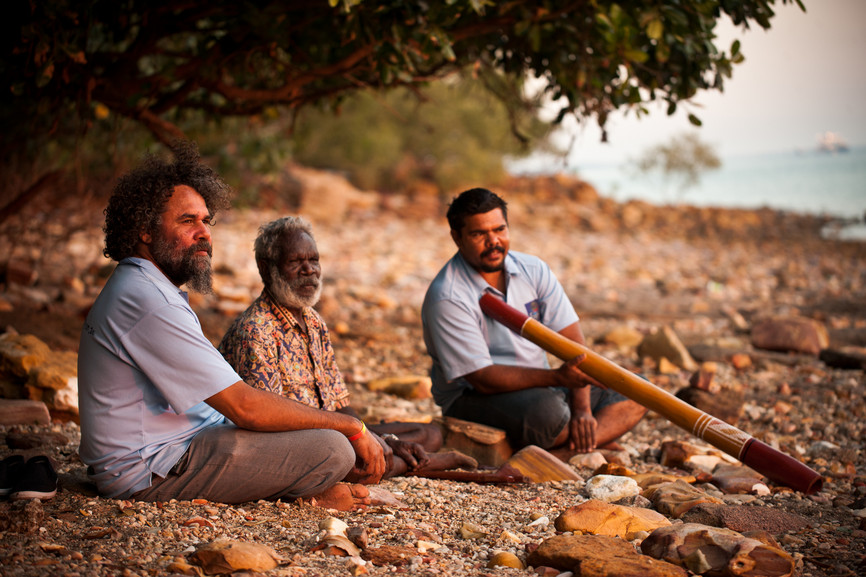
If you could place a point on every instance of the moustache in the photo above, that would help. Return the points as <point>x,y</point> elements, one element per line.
<point>491,251</point>
<point>302,282</point>
<point>201,245</point>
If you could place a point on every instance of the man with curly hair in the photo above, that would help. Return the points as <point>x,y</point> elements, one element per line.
<point>163,415</point>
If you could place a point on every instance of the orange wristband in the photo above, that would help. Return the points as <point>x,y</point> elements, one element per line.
<point>359,434</point>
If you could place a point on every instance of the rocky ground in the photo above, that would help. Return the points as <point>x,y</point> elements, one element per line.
<point>707,274</point>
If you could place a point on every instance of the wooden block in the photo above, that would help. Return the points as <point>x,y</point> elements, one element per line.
<point>23,412</point>
<point>539,466</point>
<point>487,445</point>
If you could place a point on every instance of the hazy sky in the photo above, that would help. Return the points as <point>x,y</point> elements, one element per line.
<point>803,76</point>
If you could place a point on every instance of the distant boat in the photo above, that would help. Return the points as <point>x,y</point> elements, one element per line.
<point>831,142</point>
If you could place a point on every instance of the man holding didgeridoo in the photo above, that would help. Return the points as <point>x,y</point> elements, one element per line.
<point>485,373</point>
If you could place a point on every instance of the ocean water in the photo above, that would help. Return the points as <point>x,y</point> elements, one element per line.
<point>811,182</point>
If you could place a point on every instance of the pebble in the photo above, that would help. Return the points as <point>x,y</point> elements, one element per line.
<point>610,488</point>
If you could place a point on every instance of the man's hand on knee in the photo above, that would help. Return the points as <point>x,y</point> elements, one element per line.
<point>582,428</point>
<point>369,460</point>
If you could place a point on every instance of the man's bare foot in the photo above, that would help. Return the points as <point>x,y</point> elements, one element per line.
<point>564,453</point>
<point>343,497</point>
<point>448,460</point>
<point>612,446</point>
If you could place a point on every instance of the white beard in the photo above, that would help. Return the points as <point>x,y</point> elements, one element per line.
<point>284,293</point>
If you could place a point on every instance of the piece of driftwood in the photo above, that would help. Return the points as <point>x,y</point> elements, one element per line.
<point>529,465</point>
<point>487,445</point>
<point>502,474</point>
<point>538,466</point>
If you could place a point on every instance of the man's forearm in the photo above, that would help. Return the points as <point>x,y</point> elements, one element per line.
<point>507,379</point>
<point>580,400</point>
<point>257,410</point>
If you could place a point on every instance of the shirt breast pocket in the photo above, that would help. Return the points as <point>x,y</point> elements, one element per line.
<point>533,309</point>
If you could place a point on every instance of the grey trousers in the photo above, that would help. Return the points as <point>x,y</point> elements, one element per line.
<point>529,416</point>
<point>226,464</point>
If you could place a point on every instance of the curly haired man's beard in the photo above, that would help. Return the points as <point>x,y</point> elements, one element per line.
<point>285,292</point>
<point>184,266</point>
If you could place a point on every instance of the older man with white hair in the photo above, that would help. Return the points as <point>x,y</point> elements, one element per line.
<point>281,344</point>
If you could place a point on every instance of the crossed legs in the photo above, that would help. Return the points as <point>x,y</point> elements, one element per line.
<point>231,465</point>
<point>541,416</point>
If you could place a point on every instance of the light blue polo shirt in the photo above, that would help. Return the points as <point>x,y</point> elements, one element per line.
<point>461,339</point>
<point>144,370</point>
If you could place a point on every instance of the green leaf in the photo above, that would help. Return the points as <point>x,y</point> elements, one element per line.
<point>448,52</point>
<point>535,38</point>
<point>663,52</point>
<point>635,55</point>
<point>655,29</point>
<point>695,120</point>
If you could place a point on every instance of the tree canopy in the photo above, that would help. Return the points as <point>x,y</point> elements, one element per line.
<point>67,63</point>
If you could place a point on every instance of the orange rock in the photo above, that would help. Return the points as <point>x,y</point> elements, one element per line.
<point>198,522</point>
<point>505,559</point>
<point>647,480</point>
<point>741,361</point>
<point>227,556</point>
<point>406,387</point>
<point>600,518</point>
<point>667,368</point>
<point>20,353</point>
<point>613,469</point>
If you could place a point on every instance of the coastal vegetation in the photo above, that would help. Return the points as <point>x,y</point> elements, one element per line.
<point>680,162</point>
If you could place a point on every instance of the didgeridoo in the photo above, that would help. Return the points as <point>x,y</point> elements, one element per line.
<point>764,459</point>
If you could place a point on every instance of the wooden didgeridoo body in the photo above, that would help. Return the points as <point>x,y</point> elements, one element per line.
<point>764,459</point>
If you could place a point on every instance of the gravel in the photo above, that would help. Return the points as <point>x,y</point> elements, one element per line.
<point>376,269</point>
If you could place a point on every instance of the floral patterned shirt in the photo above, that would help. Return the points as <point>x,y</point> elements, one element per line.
<point>268,349</point>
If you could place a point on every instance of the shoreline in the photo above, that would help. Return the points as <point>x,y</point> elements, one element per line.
<point>809,182</point>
